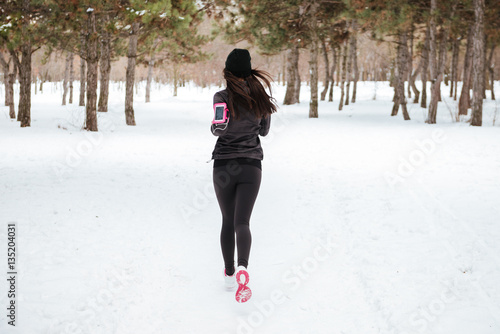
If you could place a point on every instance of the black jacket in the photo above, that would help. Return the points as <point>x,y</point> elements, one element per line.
<point>239,138</point>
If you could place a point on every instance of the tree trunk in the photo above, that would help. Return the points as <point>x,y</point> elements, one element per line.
<point>492,72</point>
<point>10,91</point>
<point>6,71</point>
<point>404,70</point>
<point>391,75</point>
<point>292,60</point>
<point>478,64</point>
<point>485,62</point>
<point>66,79</point>
<point>410,63</point>
<point>43,78</point>
<point>9,78</point>
<point>176,79</point>
<point>105,68</point>
<point>395,99</point>
<point>349,68</point>
<point>436,84</point>
<point>425,67</point>
<point>454,64</point>
<point>92,68</point>
<point>431,115</point>
<point>283,70</point>
<point>24,66</point>
<point>24,114</point>
<point>313,62</point>
<point>82,69</point>
<point>151,65</point>
<point>334,66</point>
<point>354,46</point>
<point>399,87</point>
<point>343,74</point>
<point>442,52</point>
<point>71,78</point>
<point>338,69</point>
<point>298,81</point>
<point>412,82</point>
<point>130,76</point>
<point>17,73</point>
<point>464,101</point>
<point>432,42</point>
<point>327,70</point>
<point>24,71</point>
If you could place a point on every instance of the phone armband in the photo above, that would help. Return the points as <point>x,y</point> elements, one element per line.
<point>221,114</point>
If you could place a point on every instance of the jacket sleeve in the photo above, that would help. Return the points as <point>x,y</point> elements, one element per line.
<point>219,129</point>
<point>265,124</point>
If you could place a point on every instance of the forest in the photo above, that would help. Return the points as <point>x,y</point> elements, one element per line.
<point>374,189</point>
<point>411,44</point>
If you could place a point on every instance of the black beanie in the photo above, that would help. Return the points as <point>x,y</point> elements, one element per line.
<point>238,63</point>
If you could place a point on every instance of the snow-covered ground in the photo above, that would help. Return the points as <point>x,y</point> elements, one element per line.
<point>365,223</point>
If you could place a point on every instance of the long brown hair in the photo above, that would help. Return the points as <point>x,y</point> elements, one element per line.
<point>252,95</point>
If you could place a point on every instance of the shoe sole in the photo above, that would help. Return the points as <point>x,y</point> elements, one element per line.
<point>243,294</point>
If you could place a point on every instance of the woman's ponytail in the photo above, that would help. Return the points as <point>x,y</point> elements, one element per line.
<point>253,96</point>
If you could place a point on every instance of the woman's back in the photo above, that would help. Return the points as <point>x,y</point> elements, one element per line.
<point>239,138</point>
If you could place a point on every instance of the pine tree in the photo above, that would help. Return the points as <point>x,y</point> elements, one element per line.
<point>437,56</point>
<point>492,36</point>
<point>107,27</point>
<point>394,19</point>
<point>92,64</point>
<point>78,30</point>
<point>272,26</point>
<point>175,19</point>
<point>276,26</point>
<point>24,30</point>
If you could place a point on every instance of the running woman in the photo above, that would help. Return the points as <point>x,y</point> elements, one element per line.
<point>237,161</point>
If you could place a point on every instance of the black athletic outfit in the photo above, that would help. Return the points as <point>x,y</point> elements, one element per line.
<point>237,173</point>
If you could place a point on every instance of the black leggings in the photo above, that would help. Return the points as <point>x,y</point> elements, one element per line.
<point>236,187</point>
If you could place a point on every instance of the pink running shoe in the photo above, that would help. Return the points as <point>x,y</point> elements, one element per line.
<point>243,293</point>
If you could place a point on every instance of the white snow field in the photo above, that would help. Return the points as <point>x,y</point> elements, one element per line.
<point>365,223</point>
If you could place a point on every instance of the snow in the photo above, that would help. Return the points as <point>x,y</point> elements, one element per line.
<point>137,12</point>
<point>364,223</point>
<point>5,26</point>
